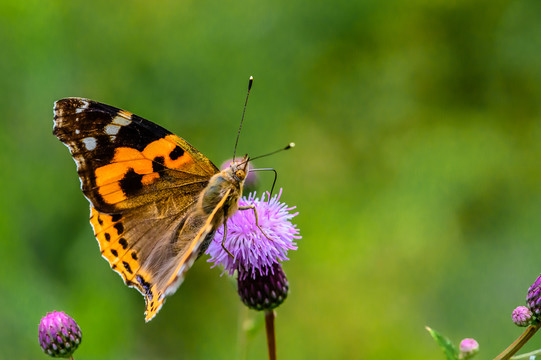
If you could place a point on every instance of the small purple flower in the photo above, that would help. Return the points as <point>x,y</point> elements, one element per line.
<point>59,334</point>
<point>251,249</point>
<point>468,348</point>
<point>522,316</point>
<point>534,299</point>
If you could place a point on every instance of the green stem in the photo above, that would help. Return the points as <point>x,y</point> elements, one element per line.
<point>242,329</point>
<point>518,343</point>
<point>527,355</point>
<point>271,339</point>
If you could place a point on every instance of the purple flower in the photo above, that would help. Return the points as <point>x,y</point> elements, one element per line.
<point>251,249</point>
<point>468,348</point>
<point>59,334</point>
<point>533,299</point>
<point>522,316</point>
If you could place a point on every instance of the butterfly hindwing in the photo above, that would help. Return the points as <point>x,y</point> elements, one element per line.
<point>143,183</point>
<point>150,251</point>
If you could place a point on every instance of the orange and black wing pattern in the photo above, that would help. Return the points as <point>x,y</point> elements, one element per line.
<point>123,160</point>
<point>142,183</point>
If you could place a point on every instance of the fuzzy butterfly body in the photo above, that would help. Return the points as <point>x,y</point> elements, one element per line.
<point>155,201</point>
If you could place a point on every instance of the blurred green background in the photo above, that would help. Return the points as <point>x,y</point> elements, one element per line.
<point>417,171</point>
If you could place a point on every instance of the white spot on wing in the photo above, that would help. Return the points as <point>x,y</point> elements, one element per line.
<point>77,131</point>
<point>83,107</point>
<point>112,129</point>
<point>90,143</point>
<point>119,120</point>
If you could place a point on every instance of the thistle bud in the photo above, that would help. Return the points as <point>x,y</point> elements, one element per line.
<point>263,292</point>
<point>59,335</point>
<point>468,348</point>
<point>522,316</point>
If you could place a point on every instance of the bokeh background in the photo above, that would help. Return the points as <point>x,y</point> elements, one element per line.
<point>417,171</point>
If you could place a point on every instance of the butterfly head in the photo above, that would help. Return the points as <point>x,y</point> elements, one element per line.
<point>239,168</point>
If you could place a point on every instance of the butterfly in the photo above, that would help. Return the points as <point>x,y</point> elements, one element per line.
<point>155,201</point>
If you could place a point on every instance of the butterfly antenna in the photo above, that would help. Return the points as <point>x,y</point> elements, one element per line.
<point>273,182</point>
<point>289,146</point>
<point>250,82</point>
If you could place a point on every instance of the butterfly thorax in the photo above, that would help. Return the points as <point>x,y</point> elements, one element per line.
<point>229,183</point>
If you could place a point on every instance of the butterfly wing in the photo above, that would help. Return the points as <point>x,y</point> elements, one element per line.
<point>143,183</point>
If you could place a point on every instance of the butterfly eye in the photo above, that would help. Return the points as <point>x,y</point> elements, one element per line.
<point>240,174</point>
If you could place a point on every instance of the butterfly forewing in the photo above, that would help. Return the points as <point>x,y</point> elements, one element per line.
<point>143,183</point>
<point>123,160</point>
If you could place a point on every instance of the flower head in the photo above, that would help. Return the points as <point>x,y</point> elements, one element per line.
<point>255,249</point>
<point>468,348</point>
<point>522,316</point>
<point>59,334</point>
<point>534,297</point>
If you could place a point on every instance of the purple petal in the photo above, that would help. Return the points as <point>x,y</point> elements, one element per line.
<point>250,248</point>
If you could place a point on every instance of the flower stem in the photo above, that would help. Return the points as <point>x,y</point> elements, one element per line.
<point>518,343</point>
<point>271,339</point>
<point>241,333</point>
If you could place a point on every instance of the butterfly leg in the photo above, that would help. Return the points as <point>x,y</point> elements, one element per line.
<point>223,241</point>
<point>248,207</point>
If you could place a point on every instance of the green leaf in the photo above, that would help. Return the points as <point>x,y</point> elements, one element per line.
<point>448,348</point>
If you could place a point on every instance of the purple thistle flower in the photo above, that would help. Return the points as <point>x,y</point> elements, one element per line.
<point>59,334</point>
<point>522,316</point>
<point>251,249</point>
<point>534,299</point>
